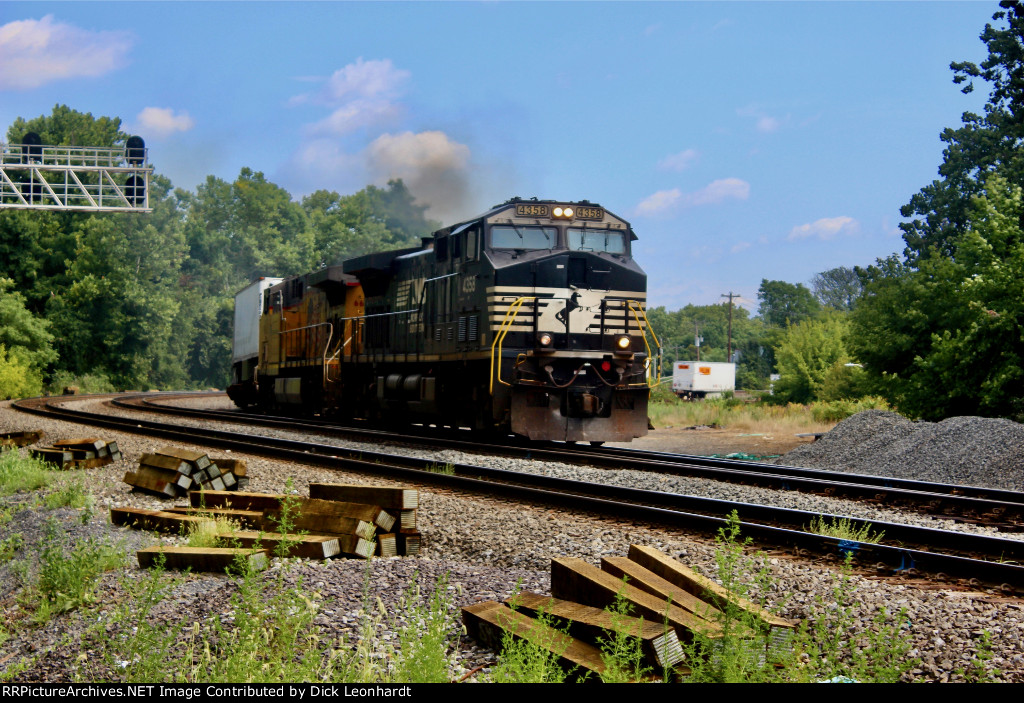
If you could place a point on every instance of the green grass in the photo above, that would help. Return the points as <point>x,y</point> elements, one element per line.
<point>846,529</point>
<point>67,574</point>
<point>22,473</point>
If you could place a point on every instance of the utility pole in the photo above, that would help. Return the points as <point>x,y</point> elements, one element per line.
<point>730,296</point>
<point>697,339</point>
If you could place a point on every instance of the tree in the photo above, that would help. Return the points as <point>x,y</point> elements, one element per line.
<point>983,144</point>
<point>809,352</point>
<point>374,219</point>
<point>837,288</point>
<point>945,336</point>
<point>784,304</point>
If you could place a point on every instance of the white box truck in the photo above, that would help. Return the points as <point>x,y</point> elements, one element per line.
<point>703,379</point>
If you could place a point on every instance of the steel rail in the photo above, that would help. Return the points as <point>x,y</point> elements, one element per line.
<point>779,526</point>
<point>992,507</point>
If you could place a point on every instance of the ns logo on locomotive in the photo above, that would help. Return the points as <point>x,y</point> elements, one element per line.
<point>529,318</point>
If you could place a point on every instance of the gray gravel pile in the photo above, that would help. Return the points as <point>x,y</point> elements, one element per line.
<point>484,545</point>
<point>970,451</point>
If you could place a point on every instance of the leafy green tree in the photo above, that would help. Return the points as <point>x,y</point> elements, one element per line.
<point>837,288</point>
<point>945,336</point>
<point>677,330</point>
<point>374,219</point>
<point>19,378</point>
<point>983,144</point>
<point>21,330</point>
<point>783,304</point>
<point>67,127</point>
<point>114,316</point>
<point>809,353</point>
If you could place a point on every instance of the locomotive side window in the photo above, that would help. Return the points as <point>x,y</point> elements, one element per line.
<point>456,246</point>
<point>523,237</point>
<point>441,248</point>
<point>597,240</point>
<point>471,239</point>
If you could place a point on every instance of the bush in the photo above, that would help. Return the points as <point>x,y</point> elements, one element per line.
<point>87,383</point>
<point>18,378</point>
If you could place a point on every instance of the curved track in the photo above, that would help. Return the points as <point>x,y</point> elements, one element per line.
<point>985,559</point>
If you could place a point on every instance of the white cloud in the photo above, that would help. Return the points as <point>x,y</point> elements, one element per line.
<point>763,122</point>
<point>659,203</point>
<point>825,229</point>
<point>356,115</point>
<point>36,52</point>
<point>665,202</point>
<point>717,191</point>
<point>678,162</point>
<point>362,80</point>
<point>162,121</point>
<point>362,95</point>
<point>737,248</point>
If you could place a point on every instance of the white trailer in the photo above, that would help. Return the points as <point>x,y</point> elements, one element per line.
<point>703,379</point>
<point>248,308</point>
<point>246,343</point>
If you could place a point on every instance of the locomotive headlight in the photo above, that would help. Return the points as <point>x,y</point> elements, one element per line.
<point>545,339</point>
<point>557,212</point>
<point>564,212</point>
<point>623,343</point>
<point>567,212</point>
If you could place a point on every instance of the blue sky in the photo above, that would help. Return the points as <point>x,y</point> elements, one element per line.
<point>742,140</point>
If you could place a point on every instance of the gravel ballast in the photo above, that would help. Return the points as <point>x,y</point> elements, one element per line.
<point>968,451</point>
<point>485,546</point>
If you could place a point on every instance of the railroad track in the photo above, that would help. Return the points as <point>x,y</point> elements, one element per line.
<point>999,509</point>
<point>981,559</point>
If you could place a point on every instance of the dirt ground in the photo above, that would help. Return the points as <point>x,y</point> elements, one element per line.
<point>708,441</point>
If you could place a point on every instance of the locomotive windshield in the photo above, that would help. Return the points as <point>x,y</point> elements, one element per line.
<point>523,237</point>
<point>597,240</point>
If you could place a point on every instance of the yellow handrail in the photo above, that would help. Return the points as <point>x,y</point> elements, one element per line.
<point>499,338</point>
<point>657,376</point>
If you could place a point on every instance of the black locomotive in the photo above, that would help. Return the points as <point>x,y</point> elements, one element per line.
<point>529,318</point>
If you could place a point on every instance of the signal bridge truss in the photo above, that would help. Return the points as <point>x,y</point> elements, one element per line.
<point>75,178</point>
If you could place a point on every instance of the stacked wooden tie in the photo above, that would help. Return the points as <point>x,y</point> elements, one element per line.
<point>401,503</point>
<point>353,524</point>
<point>21,438</point>
<point>172,472</point>
<point>85,453</point>
<point>669,601</point>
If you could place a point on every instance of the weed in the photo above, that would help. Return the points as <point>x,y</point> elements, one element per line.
<point>845,528</point>
<point>21,473</point>
<point>73,494</point>
<point>10,546</point>
<point>838,649</point>
<point>444,469</point>
<point>980,670</point>
<point>525,661</point>
<point>147,651</point>
<point>67,576</point>
<point>622,652</point>
<point>738,651</point>
<point>424,637</point>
